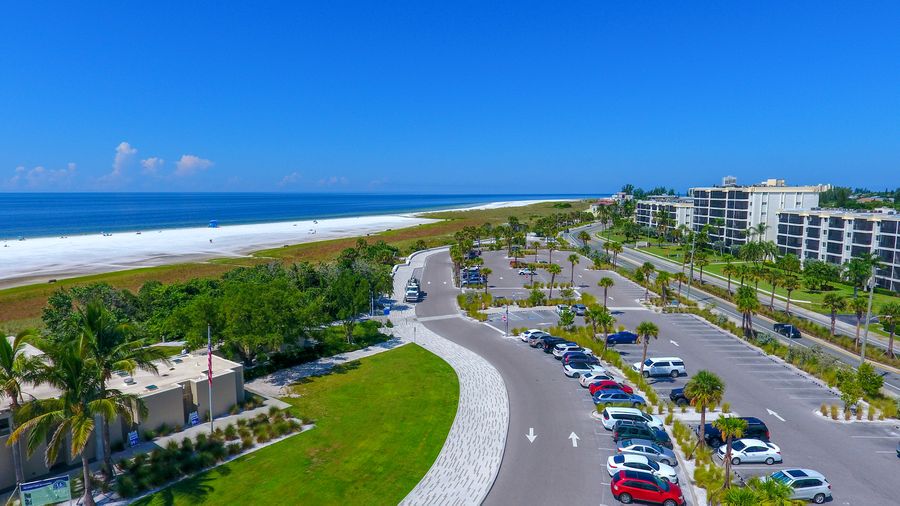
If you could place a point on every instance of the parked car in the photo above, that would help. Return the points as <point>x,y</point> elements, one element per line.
<point>538,341</point>
<point>610,415</point>
<point>751,450</point>
<point>560,308</point>
<point>589,379</point>
<point>616,463</point>
<point>576,369</point>
<point>530,333</point>
<point>562,348</point>
<point>648,449</point>
<point>678,396</point>
<point>623,337</point>
<point>787,330</point>
<point>610,385</point>
<point>630,486</point>
<point>808,485</point>
<point>618,397</point>
<point>579,309</point>
<point>662,366</point>
<point>756,429</point>
<point>579,356</point>
<point>579,352</point>
<point>630,429</point>
<point>526,272</point>
<point>548,343</point>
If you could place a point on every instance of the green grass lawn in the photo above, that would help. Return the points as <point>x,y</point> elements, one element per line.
<point>380,424</point>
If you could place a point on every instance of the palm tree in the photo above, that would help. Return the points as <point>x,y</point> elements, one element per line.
<point>731,427</point>
<point>859,269</point>
<point>573,259</point>
<point>111,346</point>
<point>69,419</point>
<point>605,283</point>
<point>551,245</point>
<point>16,368</point>
<point>616,248</point>
<point>605,324</point>
<point>701,261</point>
<point>859,306</point>
<point>553,269</point>
<point>772,492</point>
<point>729,270</point>
<point>704,389</point>
<point>535,246</point>
<point>834,302</point>
<point>789,283</point>
<point>747,303</point>
<point>890,317</point>
<point>647,270</point>
<point>681,278</point>
<point>774,278</point>
<point>584,237</point>
<point>485,273</point>
<point>662,285</point>
<point>646,330</point>
<point>740,496</point>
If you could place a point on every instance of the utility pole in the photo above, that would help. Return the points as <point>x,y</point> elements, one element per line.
<point>862,349</point>
<point>691,277</point>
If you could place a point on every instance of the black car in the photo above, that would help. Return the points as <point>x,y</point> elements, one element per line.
<point>678,397</point>
<point>577,356</point>
<point>787,330</point>
<point>628,429</point>
<point>756,429</point>
<point>549,343</point>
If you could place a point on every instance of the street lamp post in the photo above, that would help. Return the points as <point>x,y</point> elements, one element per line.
<point>862,349</point>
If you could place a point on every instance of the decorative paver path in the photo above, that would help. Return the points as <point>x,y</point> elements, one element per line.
<point>470,459</point>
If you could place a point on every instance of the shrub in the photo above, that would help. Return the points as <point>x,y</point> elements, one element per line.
<point>149,435</point>
<point>389,324</point>
<point>247,442</point>
<point>834,412</point>
<point>726,407</point>
<point>282,427</point>
<point>234,448</point>
<point>670,418</point>
<point>824,409</point>
<point>231,432</point>
<point>126,487</point>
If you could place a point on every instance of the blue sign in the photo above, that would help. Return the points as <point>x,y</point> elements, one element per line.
<point>133,439</point>
<point>193,418</point>
<point>387,310</point>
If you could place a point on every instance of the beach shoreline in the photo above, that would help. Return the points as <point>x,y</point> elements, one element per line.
<point>41,260</point>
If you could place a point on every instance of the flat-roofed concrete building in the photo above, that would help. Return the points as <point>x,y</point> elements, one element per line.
<point>180,388</point>
<point>835,236</point>
<point>742,207</point>
<point>679,209</point>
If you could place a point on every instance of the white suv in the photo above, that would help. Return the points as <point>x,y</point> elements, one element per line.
<point>807,484</point>
<point>611,415</point>
<point>663,366</point>
<point>528,334</point>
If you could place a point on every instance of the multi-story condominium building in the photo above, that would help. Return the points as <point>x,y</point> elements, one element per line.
<point>732,210</point>
<point>835,236</point>
<point>175,397</point>
<point>679,209</point>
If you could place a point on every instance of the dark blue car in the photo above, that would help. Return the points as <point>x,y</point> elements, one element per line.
<point>623,337</point>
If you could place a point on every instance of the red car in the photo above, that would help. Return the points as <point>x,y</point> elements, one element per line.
<point>609,385</point>
<point>630,486</point>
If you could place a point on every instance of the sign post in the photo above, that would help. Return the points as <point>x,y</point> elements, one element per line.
<point>49,491</point>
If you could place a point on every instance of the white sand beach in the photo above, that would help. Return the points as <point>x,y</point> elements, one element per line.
<point>39,260</point>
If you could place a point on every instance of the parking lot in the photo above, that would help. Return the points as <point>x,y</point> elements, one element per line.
<point>858,459</point>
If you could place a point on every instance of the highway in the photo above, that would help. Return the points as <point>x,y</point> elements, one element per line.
<point>630,258</point>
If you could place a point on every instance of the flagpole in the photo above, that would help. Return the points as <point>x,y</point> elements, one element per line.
<point>209,373</point>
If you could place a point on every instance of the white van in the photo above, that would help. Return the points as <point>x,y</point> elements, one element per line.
<point>612,415</point>
<point>662,366</point>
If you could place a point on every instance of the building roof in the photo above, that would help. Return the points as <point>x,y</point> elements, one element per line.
<point>182,368</point>
<point>882,214</point>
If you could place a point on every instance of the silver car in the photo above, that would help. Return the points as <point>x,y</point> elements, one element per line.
<point>648,449</point>
<point>751,450</point>
<point>807,484</point>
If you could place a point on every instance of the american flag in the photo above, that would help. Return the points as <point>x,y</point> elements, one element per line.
<point>209,356</point>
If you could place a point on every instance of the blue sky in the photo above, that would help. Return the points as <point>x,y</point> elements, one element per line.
<point>455,97</point>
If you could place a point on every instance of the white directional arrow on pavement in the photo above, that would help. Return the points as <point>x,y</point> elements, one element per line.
<point>574,437</point>
<point>531,435</point>
<point>774,414</point>
<point>673,342</point>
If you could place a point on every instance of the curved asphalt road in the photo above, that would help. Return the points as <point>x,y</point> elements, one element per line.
<point>549,470</point>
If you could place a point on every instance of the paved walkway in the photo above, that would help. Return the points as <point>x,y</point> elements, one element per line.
<point>469,462</point>
<point>277,383</point>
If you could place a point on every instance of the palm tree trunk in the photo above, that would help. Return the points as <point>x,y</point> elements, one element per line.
<point>729,284</point>
<point>88,498</point>
<point>604,297</point>
<point>107,453</point>
<point>16,449</point>
<point>787,308</point>
<point>891,341</point>
<point>679,287</point>
<point>772,299</point>
<point>728,464</point>
<point>833,321</point>
<point>646,343</point>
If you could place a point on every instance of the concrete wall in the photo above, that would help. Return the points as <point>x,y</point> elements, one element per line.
<point>33,467</point>
<point>224,394</point>
<point>164,406</point>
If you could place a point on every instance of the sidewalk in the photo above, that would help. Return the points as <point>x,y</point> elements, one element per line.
<point>467,466</point>
<point>277,383</point>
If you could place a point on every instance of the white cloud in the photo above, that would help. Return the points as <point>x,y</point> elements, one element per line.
<point>189,165</point>
<point>150,166</point>
<point>333,180</point>
<point>291,179</point>
<point>124,154</point>
<point>41,178</point>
